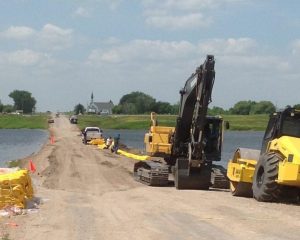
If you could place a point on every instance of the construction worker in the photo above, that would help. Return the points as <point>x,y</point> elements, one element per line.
<point>115,145</point>
<point>108,142</point>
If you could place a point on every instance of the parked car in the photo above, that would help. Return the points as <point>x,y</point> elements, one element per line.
<point>73,119</point>
<point>90,133</point>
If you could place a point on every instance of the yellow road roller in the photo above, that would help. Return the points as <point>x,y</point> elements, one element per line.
<point>273,172</point>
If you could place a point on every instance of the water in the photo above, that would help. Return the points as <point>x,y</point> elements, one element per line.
<point>19,143</point>
<point>232,140</point>
<point>243,139</point>
<point>16,144</point>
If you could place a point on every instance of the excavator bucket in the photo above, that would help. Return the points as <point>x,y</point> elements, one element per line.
<point>191,178</point>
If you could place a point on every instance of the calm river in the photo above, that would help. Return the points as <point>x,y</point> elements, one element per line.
<point>232,140</point>
<point>20,143</point>
<point>16,144</point>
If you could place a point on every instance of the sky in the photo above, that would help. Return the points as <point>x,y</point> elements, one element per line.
<point>61,50</point>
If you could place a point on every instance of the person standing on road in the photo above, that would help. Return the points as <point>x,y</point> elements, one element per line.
<point>108,143</point>
<point>116,144</point>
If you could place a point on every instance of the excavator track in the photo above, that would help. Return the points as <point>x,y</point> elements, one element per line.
<point>152,173</point>
<point>219,177</point>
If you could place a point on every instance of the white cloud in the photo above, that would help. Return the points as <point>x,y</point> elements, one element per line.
<point>230,46</point>
<point>188,4</point>
<point>99,56</point>
<point>55,38</point>
<point>113,4</point>
<point>243,66</point>
<point>257,63</point>
<point>138,50</point>
<point>50,37</point>
<point>18,32</point>
<point>183,5</point>
<point>111,41</point>
<point>179,14</point>
<point>190,20</point>
<point>82,12</point>
<point>24,57</point>
<point>296,47</point>
<point>156,50</point>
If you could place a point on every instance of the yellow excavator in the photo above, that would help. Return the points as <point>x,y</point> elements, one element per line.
<point>189,149</point>
<point>273,173</point>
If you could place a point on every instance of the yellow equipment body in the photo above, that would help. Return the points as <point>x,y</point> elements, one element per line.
<point>276,165</point>
<point>158,141</point>
<point>240,171</point>
<point>241,168</point>
<point>289,174</point>
<point>289,167</point>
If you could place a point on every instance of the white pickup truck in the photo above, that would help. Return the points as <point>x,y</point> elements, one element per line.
<point>90,133</point>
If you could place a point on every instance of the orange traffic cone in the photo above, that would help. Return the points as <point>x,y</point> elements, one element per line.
<point>32,167</point>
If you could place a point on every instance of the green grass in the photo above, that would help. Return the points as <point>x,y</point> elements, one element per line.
<point>123,121</point>
<point>247,122</point>
<point>27,121</point>
<point>237,122</point>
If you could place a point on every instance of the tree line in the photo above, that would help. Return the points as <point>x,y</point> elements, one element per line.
<point>141,103</point>
<point>23,101</point>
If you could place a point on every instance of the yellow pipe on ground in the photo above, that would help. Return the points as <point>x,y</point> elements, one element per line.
<point>127,154</point>
<point>97,141</point>
<point>134,156</point>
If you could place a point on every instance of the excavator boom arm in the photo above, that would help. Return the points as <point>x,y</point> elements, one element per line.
<point>195,97</point>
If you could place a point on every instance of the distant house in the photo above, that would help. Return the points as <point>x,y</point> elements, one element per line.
<point>99,107</point>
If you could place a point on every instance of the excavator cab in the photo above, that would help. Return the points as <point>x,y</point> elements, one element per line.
<point>213,137</point>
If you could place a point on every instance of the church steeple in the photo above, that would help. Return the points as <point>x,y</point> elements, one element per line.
<point>92,97</point>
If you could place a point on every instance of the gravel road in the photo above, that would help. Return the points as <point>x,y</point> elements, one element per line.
<point>88,193</point>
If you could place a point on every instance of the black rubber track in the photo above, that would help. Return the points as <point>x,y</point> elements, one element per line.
<point>265,187</point>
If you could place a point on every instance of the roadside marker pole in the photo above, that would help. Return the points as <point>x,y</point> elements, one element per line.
<point>52,141</point>
<point>32,167</point>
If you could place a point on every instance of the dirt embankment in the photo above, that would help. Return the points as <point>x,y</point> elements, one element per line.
<point>87,193</point>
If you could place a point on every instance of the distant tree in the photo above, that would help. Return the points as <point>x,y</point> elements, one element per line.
<point>136,103</point>
<point>117,109</point>
<point>79,108</point>
<point>129,108</point>
<point>8,108</point>
<point>162,108</point>
<point>297,106</point>
<point>242,107</point>
<point>263,107</point>
<point>1,107</point>
<point>216,111</point>
<point>23,101</point>
<point>175,108</point>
